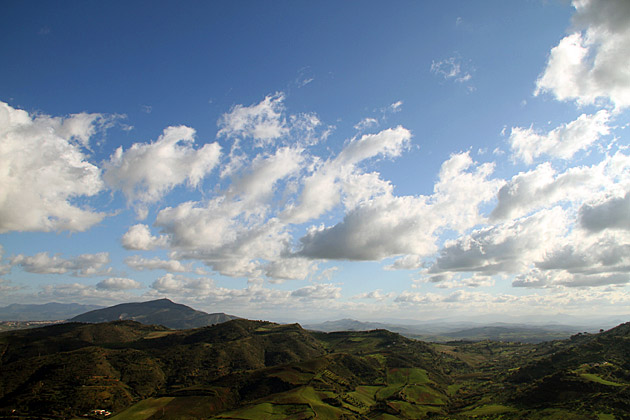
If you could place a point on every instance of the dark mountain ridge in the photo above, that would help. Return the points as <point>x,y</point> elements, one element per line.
<point>160,312</point>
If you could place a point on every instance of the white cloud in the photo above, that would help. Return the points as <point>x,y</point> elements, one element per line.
<point>375,295</point>
<point>592,62</point>
<point>290,269</point>
<point>462,186</point>
<point>139,238</point>
<point>138,263</point>
<point>257,184</point>
<point>5,286</point>
<point>450,69</point>
<point>229,236</point>
<point>171,283</point>
<point>323,189</point>
<point>237,233</point>
<point>4,268</point>
<point>319,291</point>
<point>611,213</point>
<point>44,168</point>
<point>366,123</point>
<point>406,262</point>
<point>581,244</point>
<point>578,302</point>
<point>77,292</point>
<point>81,266</point>
<point>387,143</point>
<point>582,259</point>
<point>543,187</point>
<point>386,225</point>
<point>303,129</point>
<point>263,122</point>
<point>146,172</point>
<point>396,106</point>
<point>506,248</point>
<point>118,283</point>
<point>562,142</point>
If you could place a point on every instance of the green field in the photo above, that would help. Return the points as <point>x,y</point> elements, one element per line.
<point>144,409</point>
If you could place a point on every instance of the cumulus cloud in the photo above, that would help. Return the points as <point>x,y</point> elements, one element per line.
<point>580,302</point>
<point>387,143</point>
<point>81,266</point>
<point>138,263</point>
<point>323,189</point>
<point>375,295</point>
<point>290,269</point>
<point>381,228</point>
<point>406,262</point>
<point>147,171</point>
<point>549,229</point>
<point>611,213</point>
<point>223,236</point>
<point>45,167</point>
<point>592,62</point>
<point>237,234</point>
<point>387,225</point>
<point>257,183</point>
<point>544,187</point>
<point>171,283</point>
<point>78,292</point>
<point>319,291</point>
<point>263,122</point>
<point>562,142</point>
<point>506,248</point>
<point>118,283</point>
<point>139,238</point>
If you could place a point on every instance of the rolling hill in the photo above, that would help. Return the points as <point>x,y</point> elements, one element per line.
<point>159,312</point>
<point>443,332</point>
<point>245,369</point>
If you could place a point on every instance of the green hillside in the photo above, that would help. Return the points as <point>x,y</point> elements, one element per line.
<point>245,369</point>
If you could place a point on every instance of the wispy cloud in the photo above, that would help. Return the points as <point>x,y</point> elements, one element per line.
<point>451,68</point>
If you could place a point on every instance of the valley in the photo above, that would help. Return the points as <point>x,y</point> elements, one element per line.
<point>243,369</point>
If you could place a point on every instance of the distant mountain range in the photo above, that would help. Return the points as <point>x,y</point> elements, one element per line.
<point>44,312</point>
<point>156,312</point>
<point>457,331</point>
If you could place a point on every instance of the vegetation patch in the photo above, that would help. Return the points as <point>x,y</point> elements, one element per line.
<point>489,409</point>
<point>594,378</point>
<point>270,411</point>
<point>144,409</point>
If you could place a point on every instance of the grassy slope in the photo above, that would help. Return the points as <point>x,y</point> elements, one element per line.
<point>259,370</point>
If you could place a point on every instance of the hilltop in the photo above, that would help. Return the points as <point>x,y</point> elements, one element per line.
<point>159,312</point>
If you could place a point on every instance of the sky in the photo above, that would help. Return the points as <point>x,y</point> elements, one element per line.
<point>300,161</point>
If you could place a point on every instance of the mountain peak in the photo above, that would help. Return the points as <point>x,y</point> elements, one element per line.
<point>160,311</point>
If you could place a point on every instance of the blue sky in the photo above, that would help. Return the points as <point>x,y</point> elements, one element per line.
<point>315,160</point>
